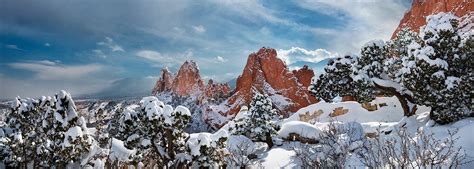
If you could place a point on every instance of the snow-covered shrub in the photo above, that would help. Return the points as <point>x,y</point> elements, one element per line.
<point>48,132</point>
<point>401,149</point>
<point>242,152</point>
<point>156,131</point>
<point>439,70</point>
<point>259,124</point>
<point>207,150</point>
<point>335,81</point>
<point>21,121</point>
<point>338,142</point>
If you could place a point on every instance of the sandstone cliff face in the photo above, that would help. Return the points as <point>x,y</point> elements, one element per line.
<point>416,16</point>
<point>164,83</point>
<point>265,73</point>
<point>304,75</point>
<point>188,80</point>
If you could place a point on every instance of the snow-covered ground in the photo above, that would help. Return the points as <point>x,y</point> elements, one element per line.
<point>385,118</point>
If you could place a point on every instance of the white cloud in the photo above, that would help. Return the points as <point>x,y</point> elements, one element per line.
<point>295,54</point>
<point>14,47</point>
<point>47,44</point>
<point>199,29</point>
<point>99,53</point>
<point>48,70</point>
<point>221,59</point>
<point>109,42</point>
<point>151,55</point>
<point>160,59</point>
<point>364,20</point>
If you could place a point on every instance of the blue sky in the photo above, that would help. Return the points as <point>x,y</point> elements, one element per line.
<point>84,46</point>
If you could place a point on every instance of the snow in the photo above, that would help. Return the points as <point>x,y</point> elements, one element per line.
<point>197,140</point>
<point>451,81</point>
<point>355,111</point>
<point>183,110</point>
<point>379,43</point>
<point>119,152</point>
<point>279,157</point>
<point>71,135</point>
<point>303,129</point>
<point>438,22</point>
<point>74,132</point>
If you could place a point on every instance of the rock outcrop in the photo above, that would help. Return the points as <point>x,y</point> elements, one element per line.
<point>265,73</point>
<point>188,82</point>
<point>163,84</point>
<point>215,91</point>
<point>304,75</point>
<point>416,16</point>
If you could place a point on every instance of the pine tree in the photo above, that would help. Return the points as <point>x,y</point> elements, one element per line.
<point>259,124</point>
<point>336,81</point>
<point>398,47</point>
<point>47,132</point>
<point>66,130</point>
<point>156,131</point>
<point>21,142</point>
<point>439,69</point>
<point>208,150</point>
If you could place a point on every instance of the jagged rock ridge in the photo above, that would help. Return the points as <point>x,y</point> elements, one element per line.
<point>188,82</point>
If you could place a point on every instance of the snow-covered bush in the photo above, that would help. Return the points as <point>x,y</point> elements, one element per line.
<point>156,131</point>
<point>338,142</point>
<point>439,70</point>
<point>242,152</point>
<point>335,81</point>
<point>207,150</point>
<point>47,132</point>
<point>21,121</point>
<point>401,149</point>
<point>259,124</point>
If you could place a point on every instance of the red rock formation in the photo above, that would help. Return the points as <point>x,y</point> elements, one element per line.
<point>416,16</point>
<point>304,75</point>
<point>163,84</point>
<point>187,81</point>
<point>216,90</point>
<point>265,73</point>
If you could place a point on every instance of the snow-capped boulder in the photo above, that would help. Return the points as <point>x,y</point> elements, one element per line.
<point>300,131</point>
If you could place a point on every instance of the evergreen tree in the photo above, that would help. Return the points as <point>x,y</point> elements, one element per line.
<point>336,81</point>
<point>439,70</point>
<point>259,124</point>
<point>47,132</point>
<point>208,150</point>
<point>21,141</point>
<point>68,137</point>
<point>156,131</point>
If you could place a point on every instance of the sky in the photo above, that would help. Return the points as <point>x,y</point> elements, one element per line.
<point>86,46</point>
